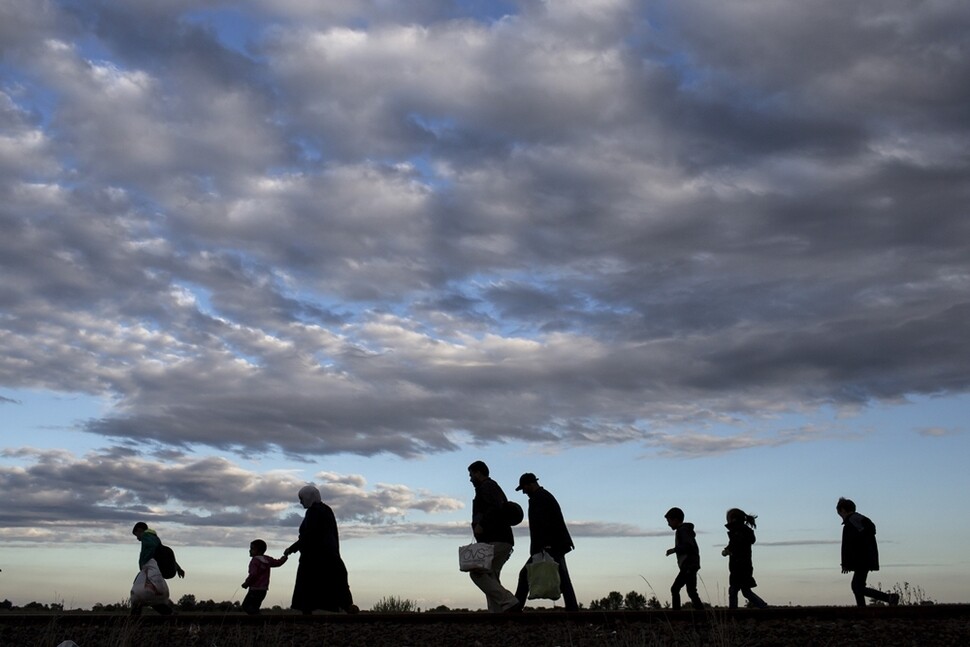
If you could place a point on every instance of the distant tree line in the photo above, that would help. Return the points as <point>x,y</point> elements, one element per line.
<point>632,601</point>
<point>615,601</point>
<point>7,605</point>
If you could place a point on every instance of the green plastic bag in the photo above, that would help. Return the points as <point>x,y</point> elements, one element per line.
<point>543,573</point>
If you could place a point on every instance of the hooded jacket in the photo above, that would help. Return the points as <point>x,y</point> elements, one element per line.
<point>259,565</point>
<point>685,546</point>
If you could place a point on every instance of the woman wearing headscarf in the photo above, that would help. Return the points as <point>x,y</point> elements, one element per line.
<point>321,578</point>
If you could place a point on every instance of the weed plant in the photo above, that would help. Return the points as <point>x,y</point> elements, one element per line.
<point>394,604</point>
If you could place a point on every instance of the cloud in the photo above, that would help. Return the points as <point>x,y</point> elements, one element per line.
<point>367,232</point>
<point>211,501</point>
<point>598,529</point>
<point>938,432</point>
<point>118,486</point>
<point>800,542</point>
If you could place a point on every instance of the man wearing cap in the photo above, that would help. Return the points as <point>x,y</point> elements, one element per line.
<point>548,532</point>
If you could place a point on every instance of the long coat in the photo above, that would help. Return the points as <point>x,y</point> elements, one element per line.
<point>321,577</point>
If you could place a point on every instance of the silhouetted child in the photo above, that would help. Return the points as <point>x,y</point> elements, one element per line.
<point>688,559</point>
<point>258,580</point>
<point>740,530</point>
<point>150,587</point>
<point>860,553</point>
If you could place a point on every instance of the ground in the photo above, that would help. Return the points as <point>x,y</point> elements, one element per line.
<point>815,626</point>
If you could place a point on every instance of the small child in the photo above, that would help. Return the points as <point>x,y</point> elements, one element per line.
<point>740,530</point>
<point>860,554</point>
<point>688,559</point>
<point>258,580</point>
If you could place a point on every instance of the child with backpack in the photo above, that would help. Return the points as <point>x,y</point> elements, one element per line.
<point>156,563</point>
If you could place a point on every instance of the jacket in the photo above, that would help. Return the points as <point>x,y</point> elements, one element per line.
<point>546,524</point>
<point>488,511</point>
<point>740,568</point>
<point>259,567</point>
<point>149,544</point>
<point>859,549</point>
<point>685,546</point>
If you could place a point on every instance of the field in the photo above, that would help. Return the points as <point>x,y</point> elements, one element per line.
<point>817,626</point>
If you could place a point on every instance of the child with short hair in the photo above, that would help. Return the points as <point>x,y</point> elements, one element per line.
<point>740,530</point>
<point>688,559</point>
<point>860,554</point>
<point>258,580</point>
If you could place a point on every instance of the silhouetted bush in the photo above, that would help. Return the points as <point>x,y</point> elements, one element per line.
<point>394,604</point>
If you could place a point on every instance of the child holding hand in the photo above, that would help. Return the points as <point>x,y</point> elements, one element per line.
<point>258,580</point>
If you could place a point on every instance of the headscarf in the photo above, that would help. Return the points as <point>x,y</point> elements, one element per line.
<point>309,495</point>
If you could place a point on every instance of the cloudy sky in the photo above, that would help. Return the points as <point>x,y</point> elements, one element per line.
<point>659,253</point>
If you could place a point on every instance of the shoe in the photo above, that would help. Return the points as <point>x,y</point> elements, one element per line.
<point>353,609</point>
<point>516,608</point>
<point>893,599</point>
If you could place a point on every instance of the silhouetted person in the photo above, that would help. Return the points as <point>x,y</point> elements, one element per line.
<point>688,559</point>
<point>740,530</point>
<point>149,544</point>
<point>547,532</point>
<point>490,525</point>
<point>258,580</point>
<point>146,562</point>
<point>860,553</point>
<point>321,577</point>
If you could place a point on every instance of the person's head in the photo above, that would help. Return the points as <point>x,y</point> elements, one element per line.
<point>309,494</point>
<point>735,515</point>
<point>528,483</point>
<point>257,547</point>
<point>477,472</point>
<point>674,517</point>
<point>139,529</point>
<point>845,507</point>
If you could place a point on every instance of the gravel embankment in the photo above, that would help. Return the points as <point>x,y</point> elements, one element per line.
<point>944,625</point>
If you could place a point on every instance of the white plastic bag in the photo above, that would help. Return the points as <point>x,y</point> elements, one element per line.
<point>543,573</point>
<point>476,557</point>
<point>149,586</point>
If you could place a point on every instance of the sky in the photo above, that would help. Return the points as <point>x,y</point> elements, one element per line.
<point>658,253</point>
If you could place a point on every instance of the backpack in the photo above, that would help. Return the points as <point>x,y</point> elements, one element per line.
<point>165,558</point>
<point>513,513</point>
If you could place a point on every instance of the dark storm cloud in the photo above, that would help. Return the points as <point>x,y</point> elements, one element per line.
<point>593,222</point>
